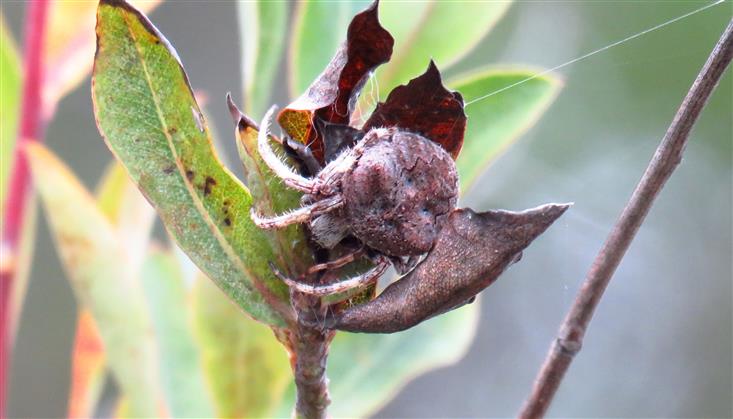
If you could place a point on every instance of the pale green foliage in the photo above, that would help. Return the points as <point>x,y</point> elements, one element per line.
<point>438,30</point>
<point>319,28</point>
<point>182,377</point>
<point>263,26</point>
<point>101,276</point>
<point>496,121</point>
<point>246,367</point>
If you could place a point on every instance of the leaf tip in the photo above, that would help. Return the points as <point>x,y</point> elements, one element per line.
<point>122,4</point>
<point>45,167</point>
<point>432,67</point>
<point>113,3</point>
<point>34,152</point>
<point>234,111</point>
<point>241,120</point>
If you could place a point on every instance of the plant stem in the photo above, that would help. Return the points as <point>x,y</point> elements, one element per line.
<point>311,352</point>
<point>31,128</point>
<point>666,158</point>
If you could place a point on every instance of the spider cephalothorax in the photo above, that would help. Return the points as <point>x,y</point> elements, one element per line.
<point>392,191</point>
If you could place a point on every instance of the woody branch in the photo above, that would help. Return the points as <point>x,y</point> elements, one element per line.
<point>666,158</point>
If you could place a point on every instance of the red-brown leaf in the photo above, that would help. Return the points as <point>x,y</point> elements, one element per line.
<point>331,97</point>
<point>426,107</point>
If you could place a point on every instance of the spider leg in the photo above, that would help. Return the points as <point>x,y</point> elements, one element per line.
<point>304,153</point>
<point>403,266</point>
<point>327,289</point>
<point>299,215</point>
<point>282,170</point>
<point>336,263</point>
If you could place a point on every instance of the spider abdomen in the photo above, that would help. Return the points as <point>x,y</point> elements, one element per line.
<point>398,193</point>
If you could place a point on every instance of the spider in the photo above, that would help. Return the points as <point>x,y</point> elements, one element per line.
<point>393,190</point>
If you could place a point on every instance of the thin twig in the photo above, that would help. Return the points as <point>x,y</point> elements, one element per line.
<point>663,163</point>
<point>31,129</point>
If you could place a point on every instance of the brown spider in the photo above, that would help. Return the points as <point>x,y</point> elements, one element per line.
<point>393,191</point>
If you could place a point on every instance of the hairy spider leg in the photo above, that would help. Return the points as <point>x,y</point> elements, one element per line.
<point>282,170</point>
<point>336,263</point>
<point>299,215</point>
<point>321,290</point>
<point>305,155</point>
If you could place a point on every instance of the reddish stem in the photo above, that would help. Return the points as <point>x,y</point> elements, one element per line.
<point>31,128</point>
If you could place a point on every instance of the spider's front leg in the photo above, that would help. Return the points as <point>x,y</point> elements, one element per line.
<point>300,215</point>
<point>280,169</point>
<point>368,277</point>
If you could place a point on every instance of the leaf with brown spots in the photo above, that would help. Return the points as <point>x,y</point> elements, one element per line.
<point>149,117</point>
<point>333,94</point>
<point>426,107</point>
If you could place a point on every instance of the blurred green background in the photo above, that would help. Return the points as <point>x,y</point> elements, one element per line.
<point>661,343</point>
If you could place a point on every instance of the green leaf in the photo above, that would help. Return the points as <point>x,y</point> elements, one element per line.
<point>366,371</point>
<point>98,269</point>
<point>246,367</point>
<point>132,217</point>
<point>496,121</point>
<point>441,30</point>
<point>180,361</point>
<point>262,26</point>
<point>319,28</point>
<point>127,210</point>
<point>146,111</point>
<point>23,262</point>
<point>272,197</point>
<point>112,190</point>
<point>10,80</point>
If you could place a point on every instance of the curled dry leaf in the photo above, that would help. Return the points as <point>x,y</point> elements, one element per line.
<point>331,97</point>
<point>321,116</point>
<point>426,107</point>
<point>485,243</point>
